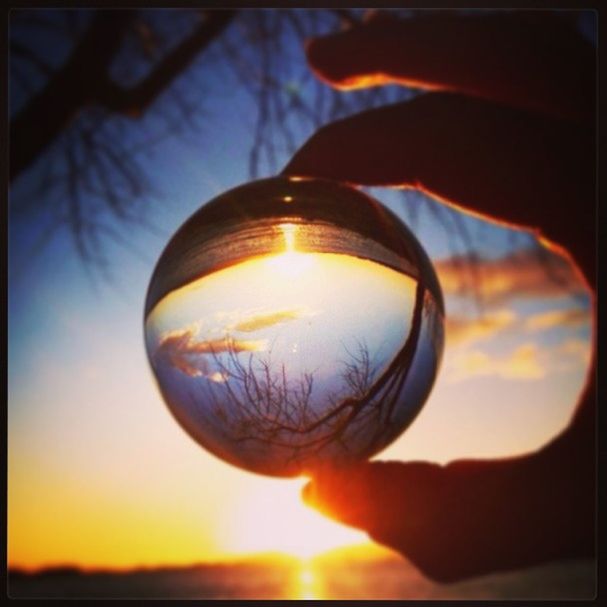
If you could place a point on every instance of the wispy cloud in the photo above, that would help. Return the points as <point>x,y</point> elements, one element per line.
<point>520,274</point>
<point>578,348</point>
<point>269,319</point>
<point>572,317</point>
<point>183,351</point>
<point>523,363</point>
<point>464,330</point>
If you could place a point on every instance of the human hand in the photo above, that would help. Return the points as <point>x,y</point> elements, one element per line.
<point>475,145</point>
<point>510,137</point>
<point>473,517</point>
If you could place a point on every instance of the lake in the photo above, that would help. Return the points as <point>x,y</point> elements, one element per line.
<point>341,574</point>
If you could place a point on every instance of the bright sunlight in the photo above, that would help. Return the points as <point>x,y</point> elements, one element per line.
<point>275,519</point>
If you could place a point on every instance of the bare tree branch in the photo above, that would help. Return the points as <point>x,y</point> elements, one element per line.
<point>72,87</point>
<point>80,102</point>
<point>84,81</point>
<point>257,403</point>
<point>33,58</point>
<point>134,101</point>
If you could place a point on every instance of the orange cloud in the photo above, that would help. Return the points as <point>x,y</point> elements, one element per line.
<point>521,364</point>
<point>461,330</point>
<point>182,351</point>
<point>524,273</point>
<point>577,348</point>
<point>557,318</point>
<point>261,321</point>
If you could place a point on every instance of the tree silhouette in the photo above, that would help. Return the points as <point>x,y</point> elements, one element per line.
<point>84,116</point>
<point>85,80</point>
<point>92,91</point>
<point>259,403</point>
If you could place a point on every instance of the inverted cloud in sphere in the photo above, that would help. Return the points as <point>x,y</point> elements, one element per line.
<point>181,350</point>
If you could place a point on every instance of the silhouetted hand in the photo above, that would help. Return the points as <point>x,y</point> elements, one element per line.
<point>511,137</point>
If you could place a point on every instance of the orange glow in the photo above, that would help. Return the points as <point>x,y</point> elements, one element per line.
<point>95,526</point>
<point>92,527</point>
<point>363,81</point>
<point>558,249</point>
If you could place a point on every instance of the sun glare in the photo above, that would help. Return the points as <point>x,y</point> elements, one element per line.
<point>291,263</point>
<point>308,587</point>
<point>289,230</point>
<point>276,520</point>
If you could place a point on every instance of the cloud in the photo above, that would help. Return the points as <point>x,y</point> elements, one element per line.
<point>578,348</point>
<point>463,330</point>
<point>557,318</point>
<point>261,321</point>
<point>460,329</point>
<point>523,273</point>
<point>181,350</point>
<point>521,364</point>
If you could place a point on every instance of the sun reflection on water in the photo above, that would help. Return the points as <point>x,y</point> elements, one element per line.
<point>308,582</point>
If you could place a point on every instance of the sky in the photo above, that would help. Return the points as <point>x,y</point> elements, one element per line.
<point>100,474</point>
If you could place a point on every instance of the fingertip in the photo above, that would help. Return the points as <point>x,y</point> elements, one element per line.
<point>338,59</point>
<point>319,57</point>
<point>307,493</point>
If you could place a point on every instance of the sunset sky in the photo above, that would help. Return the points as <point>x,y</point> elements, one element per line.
<point>100,474</point>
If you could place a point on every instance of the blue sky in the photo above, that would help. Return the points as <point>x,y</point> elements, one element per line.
<point>92,446</point>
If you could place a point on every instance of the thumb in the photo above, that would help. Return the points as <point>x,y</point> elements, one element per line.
<point>377,497</point>
<point>341,494</point>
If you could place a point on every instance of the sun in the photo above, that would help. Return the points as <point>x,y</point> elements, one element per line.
<point>274,519</point>
<point>290,264</point>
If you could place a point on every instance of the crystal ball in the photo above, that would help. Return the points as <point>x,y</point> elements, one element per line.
<point>294,323</point>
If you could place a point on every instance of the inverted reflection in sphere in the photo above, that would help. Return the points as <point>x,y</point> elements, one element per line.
<point>293,323</point>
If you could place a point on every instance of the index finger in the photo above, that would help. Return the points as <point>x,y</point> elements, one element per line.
<point>511,166</point>
<point>526,59</point>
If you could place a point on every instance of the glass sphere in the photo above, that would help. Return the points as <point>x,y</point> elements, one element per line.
<point>294,323</point>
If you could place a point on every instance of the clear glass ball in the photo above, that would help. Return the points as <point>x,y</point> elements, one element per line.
<point>294,323</point>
